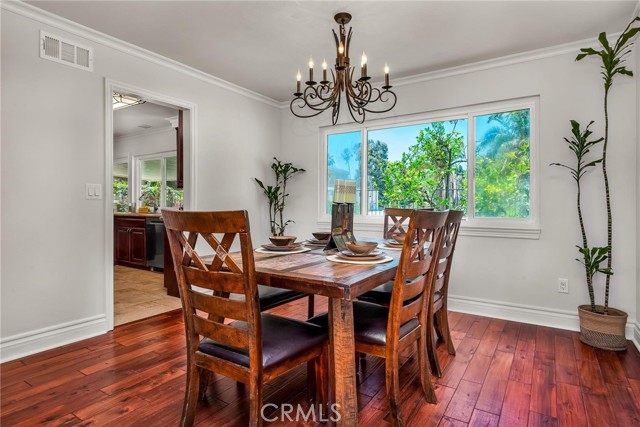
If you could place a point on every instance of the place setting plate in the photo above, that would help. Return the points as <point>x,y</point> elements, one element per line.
<point>364,260</point>
<point>294,248</point>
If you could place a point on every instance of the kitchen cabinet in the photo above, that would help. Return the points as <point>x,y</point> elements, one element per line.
<point>129,243</point>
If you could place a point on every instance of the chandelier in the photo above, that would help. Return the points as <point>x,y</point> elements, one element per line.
<point>360,96</point>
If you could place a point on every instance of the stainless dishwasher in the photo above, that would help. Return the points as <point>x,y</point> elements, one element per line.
<point>155,243</point>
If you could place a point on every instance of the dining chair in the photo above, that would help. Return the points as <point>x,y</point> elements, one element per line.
<point>387,331</point>
<point>255,347</point>
<point>395,221</point>
<point>437,315</point>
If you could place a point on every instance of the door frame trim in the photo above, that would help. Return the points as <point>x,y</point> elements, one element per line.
<point>189,179</point>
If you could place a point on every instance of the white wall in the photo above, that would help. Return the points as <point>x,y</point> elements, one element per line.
<point>504,277</point>
<point>53,126</point>
<point>143,143</point>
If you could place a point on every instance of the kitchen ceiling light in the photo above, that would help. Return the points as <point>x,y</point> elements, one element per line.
<point>360,96</point>
<point>122,101</point>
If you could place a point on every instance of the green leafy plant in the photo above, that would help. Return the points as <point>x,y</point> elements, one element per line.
<point>429,172</point>
<point>276,195</point>
<point>592,258</point>
<point>613,58</point>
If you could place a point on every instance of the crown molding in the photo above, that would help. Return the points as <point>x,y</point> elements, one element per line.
<point>20,8</point>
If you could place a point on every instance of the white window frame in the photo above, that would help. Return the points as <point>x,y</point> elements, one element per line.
<point>524,228</point>
<point>162,156</point>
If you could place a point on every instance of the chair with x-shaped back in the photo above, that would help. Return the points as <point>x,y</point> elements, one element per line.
<point>254,348</point>
<point>387,331</point>
<point>438,318</point>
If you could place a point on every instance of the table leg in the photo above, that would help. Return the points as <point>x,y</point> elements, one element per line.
<point>343,364</point>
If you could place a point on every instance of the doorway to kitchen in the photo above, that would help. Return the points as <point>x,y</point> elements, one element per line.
<point>149,149</point>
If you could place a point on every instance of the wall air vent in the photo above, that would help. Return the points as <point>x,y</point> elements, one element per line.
<point>65,51</point>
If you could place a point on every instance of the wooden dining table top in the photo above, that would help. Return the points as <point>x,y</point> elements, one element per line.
<point>312,272</point>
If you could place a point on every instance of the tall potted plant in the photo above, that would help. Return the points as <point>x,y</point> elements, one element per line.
<point>603,326</point>
<point>277,194</point>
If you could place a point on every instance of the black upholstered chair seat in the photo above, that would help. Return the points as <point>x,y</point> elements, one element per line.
<point>382,295</point>
<point>370,323</point>
<point>282,338</point>
<point>271,297</point>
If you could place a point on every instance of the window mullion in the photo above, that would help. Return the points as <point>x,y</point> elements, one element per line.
<point>471,166</point>
<point>364,172</point>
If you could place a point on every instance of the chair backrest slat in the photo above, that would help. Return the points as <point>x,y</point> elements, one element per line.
<point>220,281</point>
<point>445,255</point>
<point>219,306</point>
<point>224,334</point>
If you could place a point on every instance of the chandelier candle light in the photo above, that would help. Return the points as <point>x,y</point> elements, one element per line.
<point>360,96</point>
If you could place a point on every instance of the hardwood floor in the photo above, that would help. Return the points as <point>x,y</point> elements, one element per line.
<point>504,374</point>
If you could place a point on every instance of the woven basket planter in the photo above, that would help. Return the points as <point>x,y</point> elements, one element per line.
<point>600,331</point>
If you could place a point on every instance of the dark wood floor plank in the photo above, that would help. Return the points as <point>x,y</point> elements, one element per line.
<point>495,384</point>
<point>630,360</point>
<point>509,337</point>
<point>543,385</point>
<point>483,419</point>
<point>515,408</point>
<point>478,328</point>
<point>463,401</point>
<point>612,370</point>
<point>544,340</point>
<point>477,369</point>
<point>571,410</point>
<point>489,342</point>
<point>626,408</point>
<point>135,376</point>
<point>541,420</point>
<point>566,370</point>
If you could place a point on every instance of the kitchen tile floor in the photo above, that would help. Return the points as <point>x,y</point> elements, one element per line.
<point>139,294</point>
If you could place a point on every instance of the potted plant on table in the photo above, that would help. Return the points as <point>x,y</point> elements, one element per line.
<point>277,194</point>
<point>600,325</point>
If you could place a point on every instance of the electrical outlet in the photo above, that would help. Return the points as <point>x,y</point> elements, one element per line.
<point>563,286</point>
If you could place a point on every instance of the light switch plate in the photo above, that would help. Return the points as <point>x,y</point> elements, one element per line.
<point>93,192</point>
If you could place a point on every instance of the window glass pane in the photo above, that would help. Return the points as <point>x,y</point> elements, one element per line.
<point>121,187</point>
<point>150,182</point>
<point>416,166</point>
<point>343,162</point>
<point>502,165</point>
<point>174,196</point>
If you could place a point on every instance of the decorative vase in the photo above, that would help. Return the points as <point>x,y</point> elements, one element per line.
<point>600,331</point>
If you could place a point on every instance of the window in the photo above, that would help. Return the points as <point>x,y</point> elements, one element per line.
<point>478,159</point>
<point>121,186</point>
<point>157,185</point>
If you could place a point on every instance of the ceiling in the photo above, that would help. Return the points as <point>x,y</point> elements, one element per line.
<point>141,118</point>
<point>260,45</point>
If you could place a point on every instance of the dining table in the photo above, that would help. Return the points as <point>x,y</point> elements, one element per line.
<point>312,272</point>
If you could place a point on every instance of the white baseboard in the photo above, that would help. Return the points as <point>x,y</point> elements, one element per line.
<point>561,319</point>
<point>25,344</point>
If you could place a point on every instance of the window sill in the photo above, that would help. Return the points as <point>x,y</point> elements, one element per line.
<point>512,232</point>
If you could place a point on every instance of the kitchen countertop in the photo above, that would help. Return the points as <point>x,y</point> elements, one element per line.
<point>138,215</point>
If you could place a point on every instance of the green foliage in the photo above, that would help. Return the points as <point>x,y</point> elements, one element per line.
<point>502,167</point>
<point>430,172</point>
<point>377,159</point>
<point>150,193</point>
<point>276,195</point>
<point>591,257</point>
<point>612,59</point>
<point>121,194</point>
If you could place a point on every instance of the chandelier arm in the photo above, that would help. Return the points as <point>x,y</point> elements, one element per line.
<point>390,94</point>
